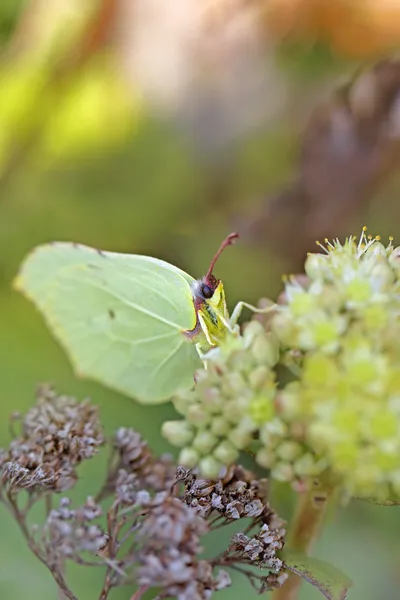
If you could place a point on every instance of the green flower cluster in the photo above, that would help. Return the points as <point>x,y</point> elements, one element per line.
<point>217,413</point>
<point>319,390</point>
<point>345,322</point>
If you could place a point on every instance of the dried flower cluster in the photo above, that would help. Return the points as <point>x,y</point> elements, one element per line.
<point>171,536</point>
<point>131,454</point>
<point>152,533</point>
<point>57,434</point>
<point>318,389</point>
<point>69,532</point>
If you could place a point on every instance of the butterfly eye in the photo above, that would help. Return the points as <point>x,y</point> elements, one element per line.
<point>206,291</point>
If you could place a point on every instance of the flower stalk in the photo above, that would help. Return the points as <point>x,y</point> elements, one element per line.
<point>310,514</point>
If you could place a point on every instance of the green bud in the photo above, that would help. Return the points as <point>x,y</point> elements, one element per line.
<point>266,350</point>
<point>317,266</point>
<point>251,331</point>
<point>289,399</point>
<point>283,472</point>
<point>233,384</point>
<point>183,401</point>
<point>289,450</point>
<point>178,433</point>
<point>361,372</point>
<point>204,441</point>
<point>220,426</point>
<point>189,457</point>
<point>376,249</point>
<point>203,376</point>
<point>394,258</point>
<point>320,370</point>
<point>358,291</point>
<point>375,316</point>
<point>326,331</point>
<point>265,458</point>
<point>322,435</point>
<point>346,419</point>
<point>240,437</point>
<point>306,466</point>
<point>273,429</point>
<point>226,453</point>
<point>212,400</point>
<point>196,415</point>
<point>262,408</point>
<point>284,327</point>
<point>384,425</point>
<point>210,467</point>
<point>345,455</point>
<point>381,276</point>
<point>258,377</point>
<point>301,303</point>
<point>230,345</point>
<point>233,411</point>
<point>387,459</point>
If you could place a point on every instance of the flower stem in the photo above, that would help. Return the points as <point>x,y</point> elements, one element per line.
<point>309,517</point>
<point>139,592</point>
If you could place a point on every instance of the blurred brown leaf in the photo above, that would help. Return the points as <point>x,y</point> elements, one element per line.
<point>350,148</point>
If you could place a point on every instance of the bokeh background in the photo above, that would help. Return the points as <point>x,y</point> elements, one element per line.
<point>157,127</point>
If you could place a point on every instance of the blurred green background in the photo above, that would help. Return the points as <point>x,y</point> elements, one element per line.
<point>108,143</point>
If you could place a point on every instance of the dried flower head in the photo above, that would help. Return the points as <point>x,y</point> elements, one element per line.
<point>133,466</point>
<point>57,434</point>
<point>238,494</point>
<point>158,515</point>
<point>69,532</point>
<point>261,548</point>
<point>155,473</point>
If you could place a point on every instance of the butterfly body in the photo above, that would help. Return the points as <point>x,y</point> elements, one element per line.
<point>212,317</point>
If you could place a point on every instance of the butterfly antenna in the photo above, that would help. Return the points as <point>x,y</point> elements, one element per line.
<point>228,241</point>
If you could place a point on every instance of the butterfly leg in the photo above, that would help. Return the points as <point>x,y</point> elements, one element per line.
<point>237,311</point>
<point>202,355</point>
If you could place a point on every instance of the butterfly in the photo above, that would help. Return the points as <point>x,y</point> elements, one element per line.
<point>134,323</point>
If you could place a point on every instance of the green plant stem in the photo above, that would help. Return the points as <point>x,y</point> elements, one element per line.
<point>309,517</point>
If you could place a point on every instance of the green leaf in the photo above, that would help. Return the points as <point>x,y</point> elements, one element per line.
<point>330,581</point>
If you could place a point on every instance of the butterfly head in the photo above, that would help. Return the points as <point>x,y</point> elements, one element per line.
<point>209,301</point>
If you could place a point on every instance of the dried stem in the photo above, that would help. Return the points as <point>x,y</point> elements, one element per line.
<point>139,592</point>
<point>306,526</point>
<point>55,572</point>
<point>107,585</point>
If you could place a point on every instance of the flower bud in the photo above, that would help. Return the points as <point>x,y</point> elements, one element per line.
<point>210,467</point>
<point>204,441</point>
<point>189,457</point>
<point>178,433</point>
<point>226,453</point>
